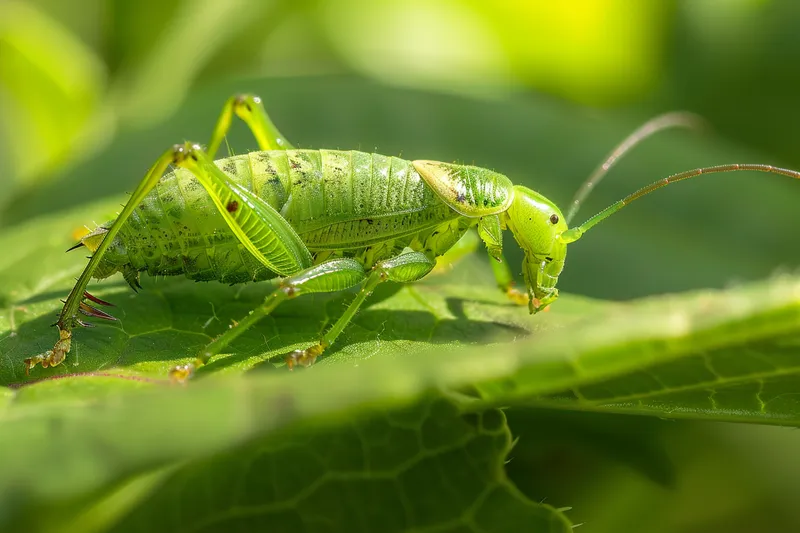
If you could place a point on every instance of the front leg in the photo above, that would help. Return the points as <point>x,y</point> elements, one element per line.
<point>491,233</point>
<point>505,281</point>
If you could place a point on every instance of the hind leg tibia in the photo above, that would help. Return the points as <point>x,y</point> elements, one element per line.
<point>251,110</point>
<point>75,304</point>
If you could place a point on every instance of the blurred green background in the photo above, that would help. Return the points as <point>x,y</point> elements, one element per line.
<point>91,91</point>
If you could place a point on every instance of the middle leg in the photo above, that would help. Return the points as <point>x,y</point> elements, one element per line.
<point>332,276</point>
<point>505,280</point>
<point>405,268</point>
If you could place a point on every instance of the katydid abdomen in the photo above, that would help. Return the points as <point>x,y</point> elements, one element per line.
<point>341,203</point>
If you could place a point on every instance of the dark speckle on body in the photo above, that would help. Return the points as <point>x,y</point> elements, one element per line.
<point>229,167</point>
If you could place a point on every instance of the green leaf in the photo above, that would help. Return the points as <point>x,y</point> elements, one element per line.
<point>411,340</point>
<point>50,88</point>
<point>139,96</point>
<point>104,441</point>
<point>421,468</point>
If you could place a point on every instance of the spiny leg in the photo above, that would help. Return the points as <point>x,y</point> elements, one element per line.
<point>251,110</point>
<point>273,241</point>
<point>332,276</point>
<point>464,247</point>
<point>260,229</point>
<point>74,304</point>
<point>406,267</point>
<point>490,231</point>
<point>467,245</point>
<point>505,280</point>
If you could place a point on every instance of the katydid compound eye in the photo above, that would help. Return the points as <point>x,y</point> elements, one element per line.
<point>554,219</point>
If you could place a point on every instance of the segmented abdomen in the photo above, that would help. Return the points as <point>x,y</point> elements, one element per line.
<point>341,201</point>
<point>348,200</point>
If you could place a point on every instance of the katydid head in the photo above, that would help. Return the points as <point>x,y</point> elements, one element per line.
<point>537,224</point>
<point>541,230</point>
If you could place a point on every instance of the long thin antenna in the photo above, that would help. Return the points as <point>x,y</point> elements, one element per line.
<point>576,233</point>
<point>676,119</point>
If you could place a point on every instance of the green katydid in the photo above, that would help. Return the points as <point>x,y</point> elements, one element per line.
<point>326,221</point>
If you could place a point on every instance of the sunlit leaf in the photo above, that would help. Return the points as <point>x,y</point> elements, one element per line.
<point>721,350</point>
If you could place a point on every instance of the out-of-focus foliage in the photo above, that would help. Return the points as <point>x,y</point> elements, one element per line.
<point>594,52</point>
<point>92,90</point>
<point>133,63</point>
<point>51,85</point>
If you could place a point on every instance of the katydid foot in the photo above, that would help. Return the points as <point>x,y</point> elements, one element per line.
<point>305,358</point>
<point>52,357</point>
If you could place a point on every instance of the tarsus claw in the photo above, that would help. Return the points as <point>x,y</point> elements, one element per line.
<point>52,357</point>
<point>305,357</point>
<point>516,296</point>
<point>181,373</point>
